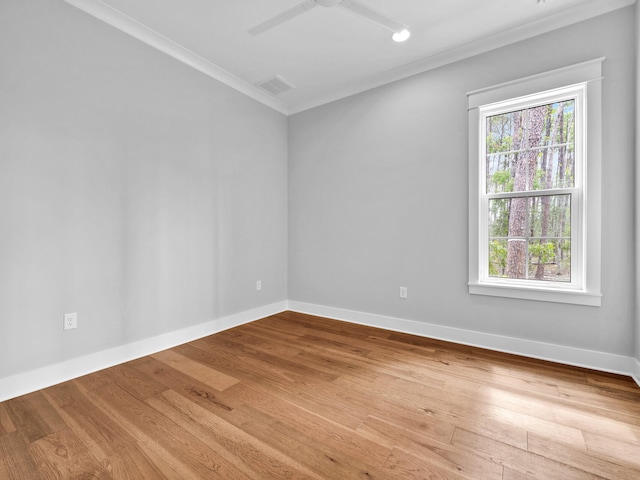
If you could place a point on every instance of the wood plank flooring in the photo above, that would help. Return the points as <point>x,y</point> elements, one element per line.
<point>299,397</point>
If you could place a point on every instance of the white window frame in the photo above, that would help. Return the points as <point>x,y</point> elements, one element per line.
<point>581,82</point>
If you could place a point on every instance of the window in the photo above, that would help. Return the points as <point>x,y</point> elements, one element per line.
<point>533,164</point>
<point>535,187</point>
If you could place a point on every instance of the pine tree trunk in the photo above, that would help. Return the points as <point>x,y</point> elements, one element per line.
<point>528,133</point>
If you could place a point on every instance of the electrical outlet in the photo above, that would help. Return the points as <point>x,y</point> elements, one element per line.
<point>70,321</point>
<point>259,285</point>
<point>403,292</point>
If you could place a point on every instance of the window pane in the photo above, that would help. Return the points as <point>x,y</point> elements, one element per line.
<point>530,238</point>
<point>531,149</point>
<point>549,259</point>
<point>550,216</point>
<point>499,178</point>
<point>498,258</point>
<point>499,217</point>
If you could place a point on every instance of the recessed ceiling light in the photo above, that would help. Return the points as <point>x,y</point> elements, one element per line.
<point>401,36</point>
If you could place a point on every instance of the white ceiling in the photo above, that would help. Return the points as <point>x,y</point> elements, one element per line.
<point>329,53</point>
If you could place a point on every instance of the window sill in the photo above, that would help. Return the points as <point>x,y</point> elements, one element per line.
<point>538,294</point>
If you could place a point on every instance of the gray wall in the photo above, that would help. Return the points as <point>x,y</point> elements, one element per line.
<point>149,198</point>
<point>134,190</point>
<point>637,185</point>
<point>378,196</point>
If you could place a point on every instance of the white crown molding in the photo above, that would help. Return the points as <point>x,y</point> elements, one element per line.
<point>507,37</point>
<point>606,362</point>
<point>128,25</point>
<point>23,383</point>
<point>563,18</point>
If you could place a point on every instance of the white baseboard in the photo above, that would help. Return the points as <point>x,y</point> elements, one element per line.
<point>595,360</point>
<point>22,383</point>
<point>636,371</point>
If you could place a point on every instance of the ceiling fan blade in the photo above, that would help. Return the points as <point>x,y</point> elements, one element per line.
<point>292,12</point>
<point>374,15</point>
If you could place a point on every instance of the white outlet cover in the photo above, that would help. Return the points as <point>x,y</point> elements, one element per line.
<point>70,321</point>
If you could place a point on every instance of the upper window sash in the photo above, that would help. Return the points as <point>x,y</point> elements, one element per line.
<point>575,93</point>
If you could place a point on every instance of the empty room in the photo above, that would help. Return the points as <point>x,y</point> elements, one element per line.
<point>319,239</point>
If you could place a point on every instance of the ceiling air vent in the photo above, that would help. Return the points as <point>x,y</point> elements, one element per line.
<point>275,85</point>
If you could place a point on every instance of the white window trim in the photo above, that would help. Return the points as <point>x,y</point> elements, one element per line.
<point>586,291</point>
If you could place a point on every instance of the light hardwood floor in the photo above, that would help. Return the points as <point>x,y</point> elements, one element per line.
<point>295,396</point>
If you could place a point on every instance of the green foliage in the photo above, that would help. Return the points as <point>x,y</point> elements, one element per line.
<point>496,144</point>
<point>504,179</point>
<point>497,258</point>
<point>545,252</point>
